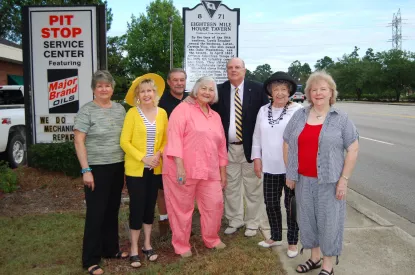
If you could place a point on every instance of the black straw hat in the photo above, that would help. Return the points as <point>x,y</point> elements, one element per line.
<point>280,76</point>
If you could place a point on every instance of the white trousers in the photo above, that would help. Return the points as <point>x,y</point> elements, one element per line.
<point>244,185</point>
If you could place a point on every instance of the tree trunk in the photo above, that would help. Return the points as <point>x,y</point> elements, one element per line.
<point>398,95</point>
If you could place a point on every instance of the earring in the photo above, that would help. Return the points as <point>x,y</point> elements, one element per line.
<point>138,101</point>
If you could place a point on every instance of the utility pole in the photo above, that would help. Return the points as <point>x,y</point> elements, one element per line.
<point>171,41</point>
<point>396,31</point>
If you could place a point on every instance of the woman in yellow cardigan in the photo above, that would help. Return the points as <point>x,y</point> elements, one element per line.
<point>143,139</point>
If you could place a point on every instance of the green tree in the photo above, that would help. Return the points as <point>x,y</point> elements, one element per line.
<point>118,65</point>
<point>356,77</point>
<point>249,75</point>
<point>295,69</point>
<point>299,72</point>
<point>324,63</point>
<point>370,55</point>
<point>398,70</point>
<point>148,43</point>
<point>262,72</point>
<point>11,14</point>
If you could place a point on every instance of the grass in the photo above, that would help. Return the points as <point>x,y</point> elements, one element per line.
<point>51,244</point>
<point>41,244</point>
<point>41,231</point>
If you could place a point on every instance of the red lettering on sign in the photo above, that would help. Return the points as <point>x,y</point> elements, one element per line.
<point>61,19</point>
<point>61,32</point>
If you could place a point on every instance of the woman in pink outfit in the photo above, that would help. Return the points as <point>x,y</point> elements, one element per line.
<point>194,167</point>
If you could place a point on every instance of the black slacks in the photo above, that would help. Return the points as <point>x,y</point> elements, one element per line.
<point>273,185</point>
<point>143,196</point>
<point>102,207</point>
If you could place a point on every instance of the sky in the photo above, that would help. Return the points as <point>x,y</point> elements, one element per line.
<point>279,32</point>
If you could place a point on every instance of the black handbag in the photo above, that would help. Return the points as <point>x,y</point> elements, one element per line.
<point>293,208</point>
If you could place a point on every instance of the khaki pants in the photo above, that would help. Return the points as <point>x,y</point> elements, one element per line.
<point>243,184</point>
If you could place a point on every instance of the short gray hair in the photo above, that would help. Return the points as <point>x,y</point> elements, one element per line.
<point>176,70</point>
<point>102,75</point>
<point>200,82</point>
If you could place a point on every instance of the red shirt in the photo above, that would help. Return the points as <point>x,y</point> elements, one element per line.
<point>307,150</point>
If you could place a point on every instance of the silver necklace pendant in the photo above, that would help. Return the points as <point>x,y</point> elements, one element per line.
<point>319,117</point>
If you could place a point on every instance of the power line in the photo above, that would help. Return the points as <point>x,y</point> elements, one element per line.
<point>317,44</point>
<point>396,31</point>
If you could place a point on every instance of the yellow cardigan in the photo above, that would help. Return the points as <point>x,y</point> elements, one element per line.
<point>134,141</point>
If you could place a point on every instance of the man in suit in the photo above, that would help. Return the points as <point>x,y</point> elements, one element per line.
<point>239,103</point>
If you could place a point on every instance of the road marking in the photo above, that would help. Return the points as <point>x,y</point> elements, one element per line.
<point>384,142</point>
<point>402,116</point>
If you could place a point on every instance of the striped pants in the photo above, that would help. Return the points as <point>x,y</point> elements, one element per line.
<point>273,185</point>
<point>320,216</point>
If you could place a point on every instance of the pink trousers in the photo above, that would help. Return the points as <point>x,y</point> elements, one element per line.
<point>180,205</point>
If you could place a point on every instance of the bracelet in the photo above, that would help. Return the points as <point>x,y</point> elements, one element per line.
<point>84,170</point>
<point>346,178</point>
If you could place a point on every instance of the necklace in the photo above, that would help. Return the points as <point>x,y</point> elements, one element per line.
<point>271,119</point>
<point>318,116</point>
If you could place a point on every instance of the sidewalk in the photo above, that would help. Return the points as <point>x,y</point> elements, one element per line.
<point>372,245</point>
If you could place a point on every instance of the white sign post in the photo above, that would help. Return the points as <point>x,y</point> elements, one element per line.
<point>60,57</point>
<point>211,39</point>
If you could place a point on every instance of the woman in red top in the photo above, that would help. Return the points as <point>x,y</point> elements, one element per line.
<point>314,143</point>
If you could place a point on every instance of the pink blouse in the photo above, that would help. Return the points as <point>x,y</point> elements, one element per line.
<point>198,139</point>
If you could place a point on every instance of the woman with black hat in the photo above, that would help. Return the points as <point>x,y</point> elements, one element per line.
<point>267,154</point>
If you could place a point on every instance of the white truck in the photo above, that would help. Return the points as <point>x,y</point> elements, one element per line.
<point>12,125</point>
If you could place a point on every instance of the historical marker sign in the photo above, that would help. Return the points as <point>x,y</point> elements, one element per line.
<point>61,47</point>
<point>211,39</point>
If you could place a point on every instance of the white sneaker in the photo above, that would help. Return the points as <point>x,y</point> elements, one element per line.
<point>292,253</point>
<point>268,245</point>
<point>230,230</point>
<point>250,232</point>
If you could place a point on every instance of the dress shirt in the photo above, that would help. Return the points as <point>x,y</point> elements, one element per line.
<point>232,125</point>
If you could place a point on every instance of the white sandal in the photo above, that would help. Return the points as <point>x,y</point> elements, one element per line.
<point>268,245</point>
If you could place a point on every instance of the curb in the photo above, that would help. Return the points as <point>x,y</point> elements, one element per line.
<point>380,220</point>
<point>369,214</point>
<point>379,103</point>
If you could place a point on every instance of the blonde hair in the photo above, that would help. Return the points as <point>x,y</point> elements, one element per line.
<point>318,76</point>
<point>200,82</point>
<point>154,88</point>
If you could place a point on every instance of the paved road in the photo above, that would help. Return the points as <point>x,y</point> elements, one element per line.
<point>385,170</point>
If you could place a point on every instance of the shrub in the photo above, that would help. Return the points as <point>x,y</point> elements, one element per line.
<point>409,98</point>
<point>60,157</point>
<point>8,178</point>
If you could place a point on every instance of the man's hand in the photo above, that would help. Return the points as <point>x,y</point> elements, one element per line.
<point>224,183</point>
<point>258,167</point>
<point>189,100</point>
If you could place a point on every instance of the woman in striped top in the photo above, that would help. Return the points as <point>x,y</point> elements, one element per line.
<point>143,139</point>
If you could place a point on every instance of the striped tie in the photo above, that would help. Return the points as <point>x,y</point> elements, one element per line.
<point>238,115</point>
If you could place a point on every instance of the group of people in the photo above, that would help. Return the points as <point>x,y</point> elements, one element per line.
<point>232,147</point>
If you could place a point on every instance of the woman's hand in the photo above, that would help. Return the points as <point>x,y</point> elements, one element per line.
<point>181,173</point>
<point>258,167</point>
<point>341,189</point>
<point>290,184</point>
<point>156,160</point>
<point>147,161</point>
<point>89,180</point>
